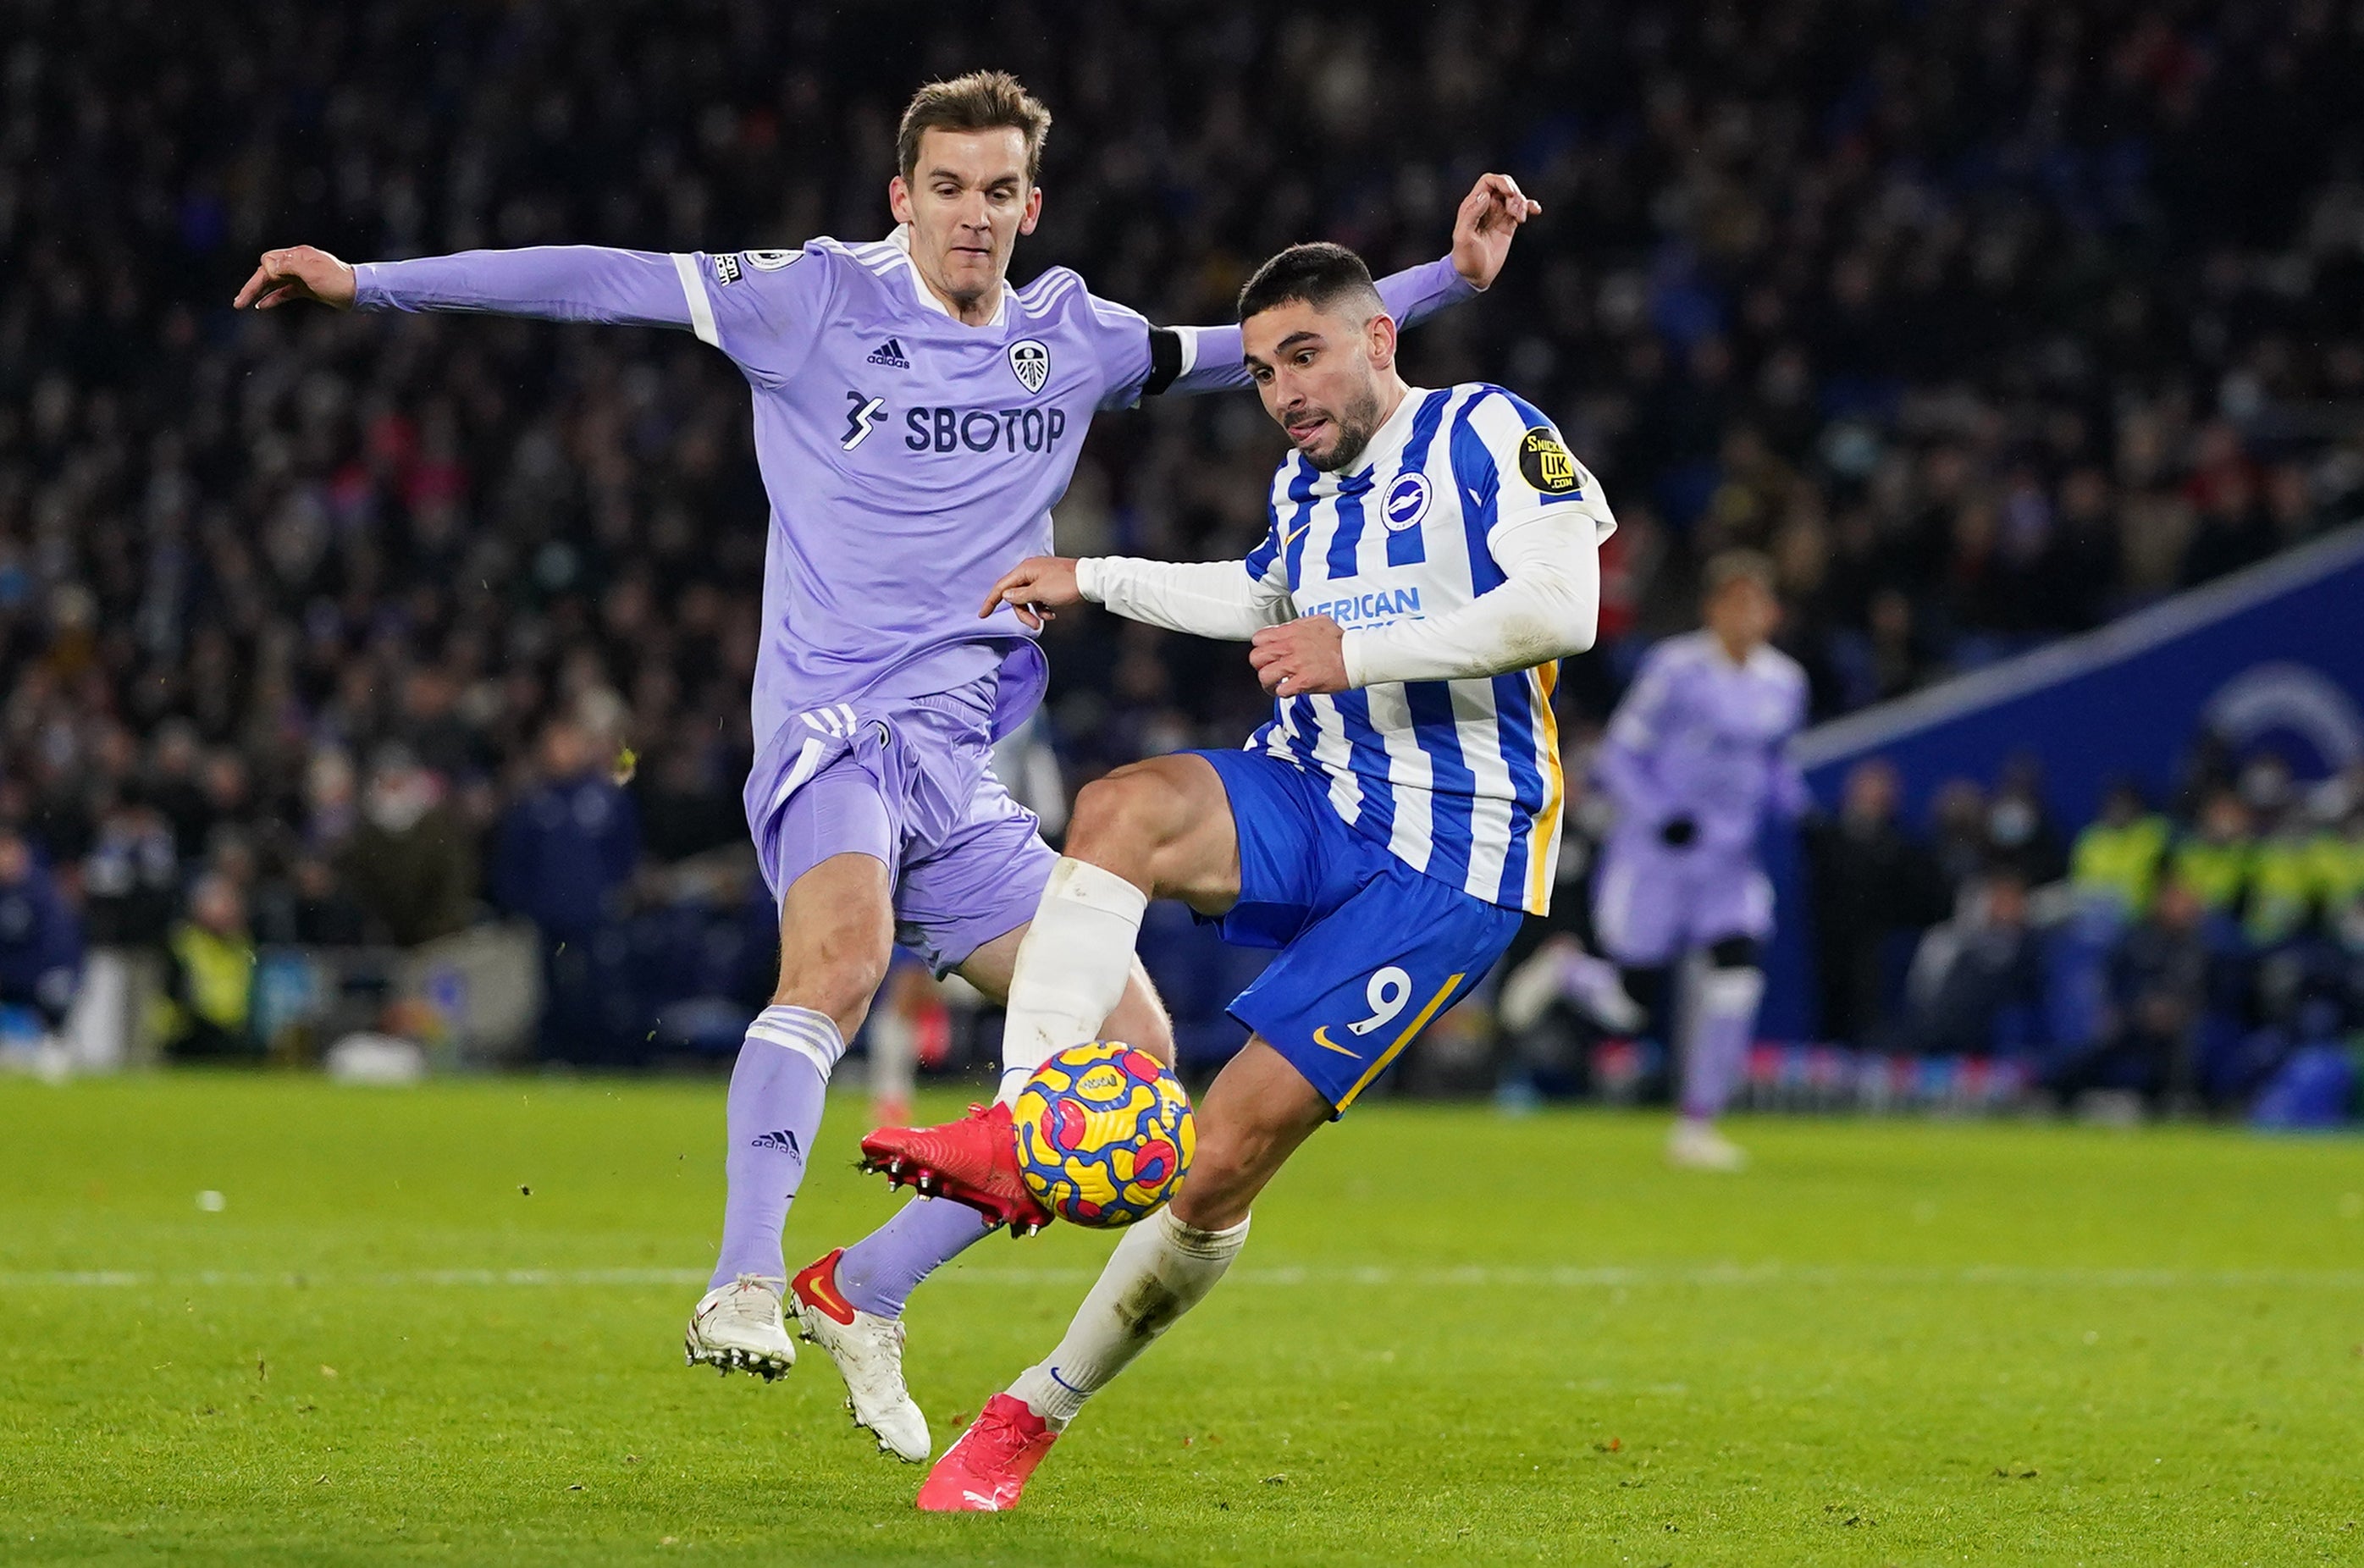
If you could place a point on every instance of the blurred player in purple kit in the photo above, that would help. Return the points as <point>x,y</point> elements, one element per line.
<point>915,421</point>
<point>1695,756</point>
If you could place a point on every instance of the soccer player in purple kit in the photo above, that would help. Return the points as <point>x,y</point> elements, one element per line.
<point>1695,757</point>
<point>915,420</point>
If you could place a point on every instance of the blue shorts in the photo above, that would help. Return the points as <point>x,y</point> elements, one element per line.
<point>910,783</point>
<point>1371,950</point>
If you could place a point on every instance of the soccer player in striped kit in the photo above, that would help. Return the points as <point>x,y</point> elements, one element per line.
<point>916,418</point>
<point>1695,757</point>
<point>1431,557</point>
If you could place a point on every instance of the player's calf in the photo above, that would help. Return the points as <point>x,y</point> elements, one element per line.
<point>1254,1117</point>
<point>836,926</point>
<point>1160,1270</point>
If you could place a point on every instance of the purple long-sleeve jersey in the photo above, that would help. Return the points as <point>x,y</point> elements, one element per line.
<point>1701,736</point>
<point>909,458</point>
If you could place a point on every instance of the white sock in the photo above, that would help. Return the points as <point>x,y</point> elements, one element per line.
<point>893,1050</point>
<point>1071,968</point>
<point>1161,1269</point>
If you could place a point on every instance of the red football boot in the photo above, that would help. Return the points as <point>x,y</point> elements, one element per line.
<point>972,1160</point>
<point>985,1472</point>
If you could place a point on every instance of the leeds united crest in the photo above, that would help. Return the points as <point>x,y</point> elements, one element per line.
<point>1031,362</point>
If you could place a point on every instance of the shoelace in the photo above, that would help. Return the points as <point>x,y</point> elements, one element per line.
<point>746,1286</point>
<point>1003,1434</point>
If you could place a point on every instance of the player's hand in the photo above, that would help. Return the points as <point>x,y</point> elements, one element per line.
<point>1300,658</point>
<point>300,272</point>
<point>1034,588</point>
<point>1490,215</point>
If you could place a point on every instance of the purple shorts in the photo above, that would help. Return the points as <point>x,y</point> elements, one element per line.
<point>910,783</point>
<point>1651,904</point>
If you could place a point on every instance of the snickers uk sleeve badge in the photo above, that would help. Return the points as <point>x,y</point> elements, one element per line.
<point>1545,463</point>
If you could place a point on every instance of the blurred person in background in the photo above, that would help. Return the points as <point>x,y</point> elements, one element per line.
<point>2339,857</point>
<point>685,807</point>
<point>176,787</point>
<point>410,863</point>
<point>563,858</point>
<point>2211,860</point>
<point>2020,834</point>
<point>2283,895</point>
<point>41,938</point>
<point>1976,975</point>
<point>131,878</point>
<point>309,906</point>
<point>1957,834</point>
<point>209,983</point>
<point>2161,977</point>
<point>1869,881</point>
<point>1696,760</point>
<point>1555,990</point>
<point>331,798</point>
<point>2116,861</point>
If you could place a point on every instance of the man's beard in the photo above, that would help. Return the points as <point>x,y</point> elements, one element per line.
<point>1357,423</point>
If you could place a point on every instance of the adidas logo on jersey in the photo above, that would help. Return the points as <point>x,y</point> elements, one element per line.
<point>890,354</point>
<point>784,1141</point>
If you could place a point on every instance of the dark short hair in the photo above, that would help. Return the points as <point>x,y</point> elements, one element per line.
<point>1320,274</point>
<point>982,100</point>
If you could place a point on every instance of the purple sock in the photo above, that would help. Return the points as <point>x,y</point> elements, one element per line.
<point>1723,1019</point>
<point>879,1272</point>
<point>777,1093</point>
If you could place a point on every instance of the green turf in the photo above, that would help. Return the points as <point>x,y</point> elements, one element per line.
<point>1453,1339</point>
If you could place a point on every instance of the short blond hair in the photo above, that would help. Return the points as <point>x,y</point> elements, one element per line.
<point>982,100</point>
<point>1726,567</point>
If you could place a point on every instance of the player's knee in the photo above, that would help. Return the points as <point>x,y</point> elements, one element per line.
<point>1734,952</point>
<point>1127,812</point>
<point>836,974</point>
<point>1734,984</point>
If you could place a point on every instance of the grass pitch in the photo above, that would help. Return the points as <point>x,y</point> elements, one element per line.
<point>444,1324</point>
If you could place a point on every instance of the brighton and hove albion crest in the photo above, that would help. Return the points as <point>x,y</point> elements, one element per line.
<point>1407,500</point>
<point>1031,362</point>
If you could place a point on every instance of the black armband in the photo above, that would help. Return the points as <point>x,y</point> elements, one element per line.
<point>1164,360</point>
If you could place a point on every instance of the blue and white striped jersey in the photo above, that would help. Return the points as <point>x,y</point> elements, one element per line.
<point>1460,778</point>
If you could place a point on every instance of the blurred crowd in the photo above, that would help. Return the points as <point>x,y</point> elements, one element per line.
<point>1989,321</point>
<point>2187,951</point>
<point>2200,953</point>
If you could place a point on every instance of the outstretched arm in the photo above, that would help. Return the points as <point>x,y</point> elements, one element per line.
<point>1224,599</point>
<point>1206,359</point>
<point>1546,607</point>
<point>553,282</point>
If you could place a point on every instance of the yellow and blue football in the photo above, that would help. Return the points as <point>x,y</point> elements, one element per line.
<point>1104,1134</point>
